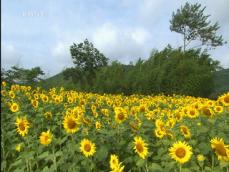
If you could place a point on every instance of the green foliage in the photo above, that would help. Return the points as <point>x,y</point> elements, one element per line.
<point>87,60</point>
<point>22,76</point>
<point>191,22</point>
<point>221,83</point>
<point>111,78</point>
<point>169,71</point>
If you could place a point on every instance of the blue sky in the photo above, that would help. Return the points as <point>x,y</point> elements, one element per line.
<point>40,32</point>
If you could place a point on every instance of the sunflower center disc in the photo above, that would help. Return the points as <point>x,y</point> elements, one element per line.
<point>87,147</point>
<point>139,147</point>
<point>180,152</point>
<point>71,124</point>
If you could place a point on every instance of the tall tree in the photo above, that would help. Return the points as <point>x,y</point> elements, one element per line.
<point>191,22</point>
<point>87,60</point>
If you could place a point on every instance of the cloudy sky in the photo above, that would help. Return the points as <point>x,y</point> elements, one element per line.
<point>40,32</point>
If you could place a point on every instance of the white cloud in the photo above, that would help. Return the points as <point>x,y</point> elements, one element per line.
<point>105,36</point>
<point>140,35</point>
<point>60,56</point>
<point>218,10</point>
<point>224,59</point>
<point>10,56</point>
<point>61,52</point>
<point>222,55</point>
<point>121,43</point>
<point>149,7</point>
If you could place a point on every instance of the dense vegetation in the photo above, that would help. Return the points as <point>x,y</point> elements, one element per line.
<point>168,71</point>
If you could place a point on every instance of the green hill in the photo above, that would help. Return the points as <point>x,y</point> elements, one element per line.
<point>221,80</point>
<point>57,81</point>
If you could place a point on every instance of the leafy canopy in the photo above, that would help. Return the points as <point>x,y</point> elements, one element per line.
<point>191,22</point>
<point>86,57</point>
<point>87,60</point>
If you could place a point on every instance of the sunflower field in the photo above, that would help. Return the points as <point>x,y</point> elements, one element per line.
<point>61,130</point>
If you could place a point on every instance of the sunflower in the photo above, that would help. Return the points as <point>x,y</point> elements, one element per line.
<point>221,150</point>
<point>170,134</point>
<point>196,105</point>
<point>185,131</point>
<point>207,112</point>
<point>142,108</point>
<point>120,115</point>
<point>78,112</point>
<point>210,103</point>
<point>98,125</point>
<point>3,92</point>
<point>58,99</point>
<point>70,100</point>
<point>95,114</point>
<point>114,162</point>
<point>82,102</point>
<point>140,147</point>
<point>105,112</point>
<point>159,124</point>
<point>224,99</point>
<point>180,151</point>
<point>185,111</point>
<point>45,98</point>
<point>200,157</point>
<point>71,125</point>
<point>159,133</point>
<point>93,108</point>
<point>36,96</point>
<point>218,109</point>
<point>192,113</point>
<point>14,107</point>
<point>178,116</point>
<point>11,94</point>
<point>170,123</point>
<point>18,147</point>
<point>48,115</point>
<point>22,126</point>
<point>34,103</point>
<point>118,168</point>
<point>46,138</point>
<point>3,83</point>
<point>134,110</point>
<point>87,147</point>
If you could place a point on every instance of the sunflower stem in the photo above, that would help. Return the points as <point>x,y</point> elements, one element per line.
<point>28,161</point>
<point>30,168</point>
<point>54,158</point>
<point>180,168</point>
<point>118,133</point>
<point>212,162</point>
<point>60,134</point>
<point>147,167</point>
<point>27,165</point>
